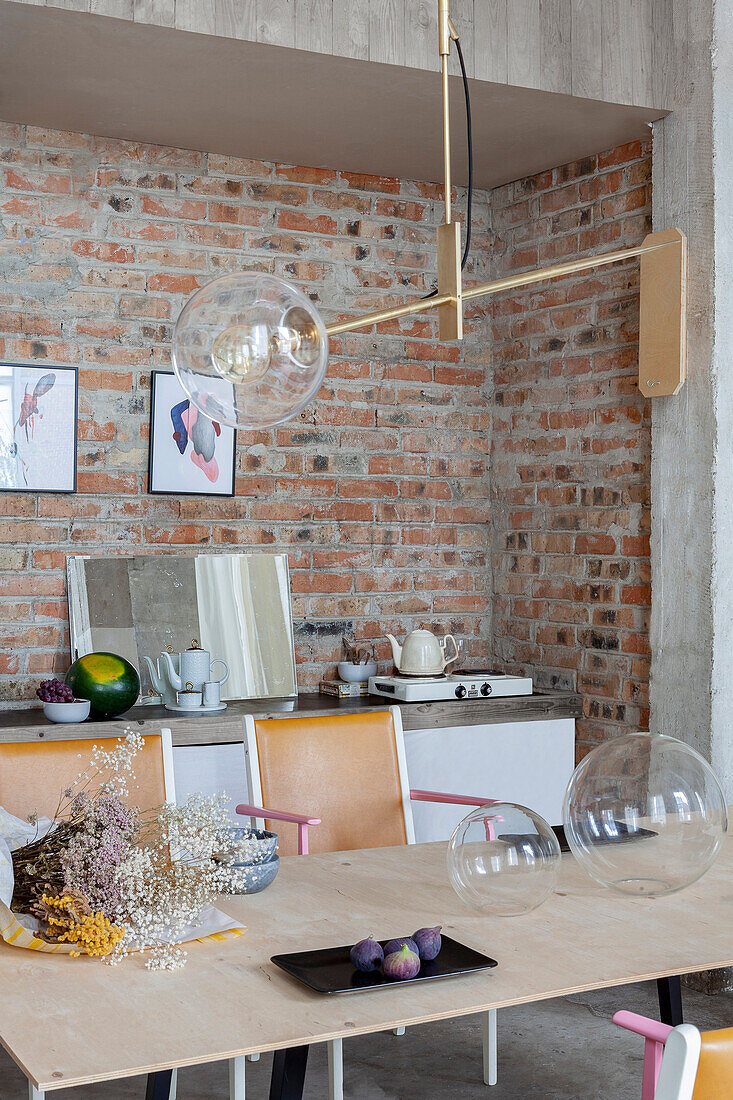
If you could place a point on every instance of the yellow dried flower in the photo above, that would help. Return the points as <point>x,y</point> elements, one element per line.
<point>93,932</point>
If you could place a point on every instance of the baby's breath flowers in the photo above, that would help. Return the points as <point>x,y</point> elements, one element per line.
<point>111,880</point>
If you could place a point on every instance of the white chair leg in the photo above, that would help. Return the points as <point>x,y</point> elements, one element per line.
<point>335,1069</point>
<point>174,1085</point>
<point>34,1093</point>
<point>253,1057</point>
<point>398,1031</point>
<point>236,1078</point>
<point>488,1022</point>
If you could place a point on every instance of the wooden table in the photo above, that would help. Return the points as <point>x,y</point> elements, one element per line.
<point>74,1021</point>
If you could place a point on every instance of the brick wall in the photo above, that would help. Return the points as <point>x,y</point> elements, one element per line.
<point>571,442</point>
<point>379,493</point>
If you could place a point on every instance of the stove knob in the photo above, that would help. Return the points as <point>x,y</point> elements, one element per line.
<point>461,691</point>
<point>486,689</point>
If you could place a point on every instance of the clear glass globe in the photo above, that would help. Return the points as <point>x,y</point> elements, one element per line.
<point>645,814</point>
<point>250,350</point>
<point>503,859</point>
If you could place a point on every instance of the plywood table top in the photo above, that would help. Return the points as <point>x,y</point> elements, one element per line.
<point>73,1021</point>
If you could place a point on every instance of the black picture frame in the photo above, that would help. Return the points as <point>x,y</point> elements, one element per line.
<point>192,475</point>
<point>20,417</point>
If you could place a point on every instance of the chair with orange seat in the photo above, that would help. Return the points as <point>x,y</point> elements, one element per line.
<point>682,1063</point>
<point>33,775</point>
<point>350,772</point>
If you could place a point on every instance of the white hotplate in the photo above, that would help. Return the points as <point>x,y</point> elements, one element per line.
<point>457,685</point>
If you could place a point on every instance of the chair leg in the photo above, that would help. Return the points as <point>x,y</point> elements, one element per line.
<point>489,1042</point>
<point>34,1093</point>
<point>174,1085</point>
<point>398,1031</point>
<point>335,1069</point>
<point>236,1078</point>
<point>253,1057</point>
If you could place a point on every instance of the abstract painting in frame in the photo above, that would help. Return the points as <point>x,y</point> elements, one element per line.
<point>189,453</point>
<point>38,416</point>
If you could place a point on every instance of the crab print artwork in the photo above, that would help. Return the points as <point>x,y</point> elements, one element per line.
<point>190,452</point>
<point>38,428</point>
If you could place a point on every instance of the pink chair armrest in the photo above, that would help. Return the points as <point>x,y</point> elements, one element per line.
<point>451,799</point>
<point>655,1036</point>
<point>643,1025</point>
<point>281,815</point>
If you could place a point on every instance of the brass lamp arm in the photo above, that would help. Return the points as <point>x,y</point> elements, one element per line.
<point>662,359</point>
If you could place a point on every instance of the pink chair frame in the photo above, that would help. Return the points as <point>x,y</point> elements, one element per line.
<point>655,1035</point>
<point>303,822</point>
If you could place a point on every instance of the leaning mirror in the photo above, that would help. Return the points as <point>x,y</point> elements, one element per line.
<point>236,605</point>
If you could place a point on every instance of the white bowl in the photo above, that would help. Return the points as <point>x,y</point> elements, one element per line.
<point>77,711</point>
<point>357,674</point>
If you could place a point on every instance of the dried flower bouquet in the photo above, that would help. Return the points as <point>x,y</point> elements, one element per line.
<point>108,879</point>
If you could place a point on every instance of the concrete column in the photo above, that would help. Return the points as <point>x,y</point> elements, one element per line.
<point>691,691</point>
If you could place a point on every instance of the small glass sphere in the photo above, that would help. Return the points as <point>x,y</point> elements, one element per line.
<point>250,350</point>
<point>503,859</point>
<point>645,814</point>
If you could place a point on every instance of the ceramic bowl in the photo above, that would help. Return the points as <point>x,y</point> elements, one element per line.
<point>76,711</point>
<point>255,876</point>
<point>356,674</point>
<point>262,846</point>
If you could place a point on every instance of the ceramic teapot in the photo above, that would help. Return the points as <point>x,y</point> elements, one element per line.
<point>159,679</point>
<point>194,667</point>
<point>422,654</point>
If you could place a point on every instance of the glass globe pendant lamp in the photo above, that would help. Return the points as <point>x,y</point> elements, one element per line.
<point>250,350</point>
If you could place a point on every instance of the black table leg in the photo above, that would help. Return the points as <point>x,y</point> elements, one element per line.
<point>288,1073</point>
<point>159,1085</point>
<point>670,1000</point>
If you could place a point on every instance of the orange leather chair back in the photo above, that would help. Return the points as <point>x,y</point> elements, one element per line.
<point>714,1079</point>
<point>341,768</point>
<point>33,774</point>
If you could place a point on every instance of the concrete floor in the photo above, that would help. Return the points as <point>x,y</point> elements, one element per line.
<point>566,1049</point>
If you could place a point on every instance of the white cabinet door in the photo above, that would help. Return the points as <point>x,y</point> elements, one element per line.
<point>525,762</point>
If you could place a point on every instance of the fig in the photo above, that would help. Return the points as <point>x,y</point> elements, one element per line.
<point>428,942</point>
<point>395,945</point>
<point>402,965</point>
<point>367,955</point>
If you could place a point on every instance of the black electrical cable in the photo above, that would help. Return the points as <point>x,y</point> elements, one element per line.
<point>469,141</point>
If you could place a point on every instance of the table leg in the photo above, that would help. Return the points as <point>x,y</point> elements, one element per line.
<point>288,1073</point>
<point>670,1000</point>
<point>159,1085</point>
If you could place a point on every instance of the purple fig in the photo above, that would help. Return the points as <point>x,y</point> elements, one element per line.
<point>428,942</point>
<point>367,955</point>
<point>396,945</point>
<point>402,965</point>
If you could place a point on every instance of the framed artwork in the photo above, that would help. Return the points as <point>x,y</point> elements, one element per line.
<point>38,411</point>
<point>189,454</point>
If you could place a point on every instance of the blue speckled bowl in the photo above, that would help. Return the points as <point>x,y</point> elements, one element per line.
<point>257,876</point>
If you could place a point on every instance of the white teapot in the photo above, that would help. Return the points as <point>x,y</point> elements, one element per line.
<point>422,654</point>
<point>194,667</point>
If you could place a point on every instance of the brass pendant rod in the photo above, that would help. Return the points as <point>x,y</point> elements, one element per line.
<point>525,278</point>
<point>369,319</point>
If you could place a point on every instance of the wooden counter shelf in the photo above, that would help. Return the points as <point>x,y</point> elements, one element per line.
<point>30,725</point>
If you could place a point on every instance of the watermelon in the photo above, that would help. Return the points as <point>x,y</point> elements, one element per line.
<point>110,683</point>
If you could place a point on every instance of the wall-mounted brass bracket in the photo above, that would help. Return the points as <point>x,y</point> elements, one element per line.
<point>662,328</point>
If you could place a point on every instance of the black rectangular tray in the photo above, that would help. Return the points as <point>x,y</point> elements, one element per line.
<point>623,834</point>
<point>330,970</point>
